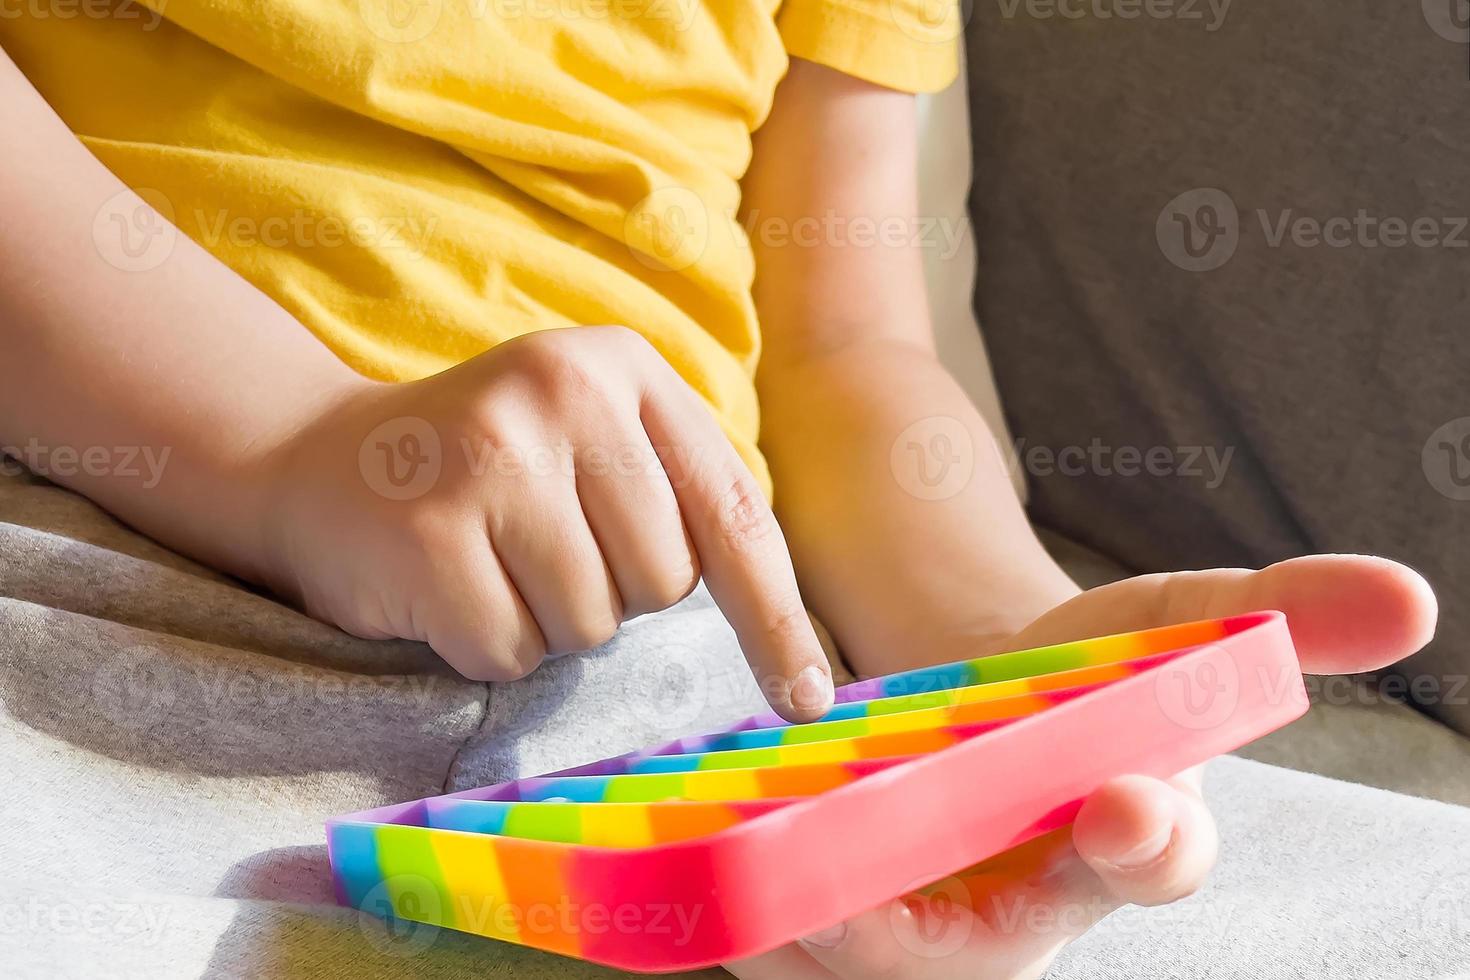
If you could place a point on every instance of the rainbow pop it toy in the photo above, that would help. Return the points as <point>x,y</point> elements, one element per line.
<point>721,846</point>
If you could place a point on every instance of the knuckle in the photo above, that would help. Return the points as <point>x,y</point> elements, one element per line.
<point>626,338</point>
<point>668,588</point>
<point>590,633</point>
<point>1168,892</point>
<point>426,529</point>
<point>546,356</point>
<point>787,624</point>
<point>679,582</point>
<point>741,512</point>
<point>509,659</point>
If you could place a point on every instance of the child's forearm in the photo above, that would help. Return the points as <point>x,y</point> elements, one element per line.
<point>140,370</point>
<point>906,532</point>
<point>905,529</point>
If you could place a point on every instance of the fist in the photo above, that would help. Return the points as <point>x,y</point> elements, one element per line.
<point>527,502</point>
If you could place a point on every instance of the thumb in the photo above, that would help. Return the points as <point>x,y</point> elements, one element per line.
<point>1347,613</point>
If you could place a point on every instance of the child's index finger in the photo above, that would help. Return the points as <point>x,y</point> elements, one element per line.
<point>744,559</point>
<point>749,574</point>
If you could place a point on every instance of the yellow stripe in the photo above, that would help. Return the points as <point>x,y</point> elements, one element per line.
<point>473,878</point>
<point>616,825</point>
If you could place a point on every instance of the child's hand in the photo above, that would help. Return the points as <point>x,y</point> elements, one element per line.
<point>514,507</point>
<point>1136,840</point>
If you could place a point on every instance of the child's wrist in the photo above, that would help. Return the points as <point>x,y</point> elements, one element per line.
<point>256,485</point>
<point>967,614</point>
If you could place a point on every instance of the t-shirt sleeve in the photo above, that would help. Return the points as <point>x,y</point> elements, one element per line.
<point>909,45</point>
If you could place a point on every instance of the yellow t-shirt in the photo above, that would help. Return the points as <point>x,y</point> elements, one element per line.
<point>419,180</point>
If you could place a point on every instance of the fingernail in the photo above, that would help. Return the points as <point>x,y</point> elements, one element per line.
<point>1146,852</point>
<point>826,938</point>
<point>812,690</point>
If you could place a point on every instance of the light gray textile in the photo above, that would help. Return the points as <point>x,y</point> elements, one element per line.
<point>173,742</point>
<point>1317,878</point>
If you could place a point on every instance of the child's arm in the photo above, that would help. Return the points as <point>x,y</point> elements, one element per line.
<point>907,565</point>
<point>889,482</point>
<point>392,510</point>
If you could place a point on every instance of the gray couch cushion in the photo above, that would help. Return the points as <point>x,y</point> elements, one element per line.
<point>1151,195</point>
